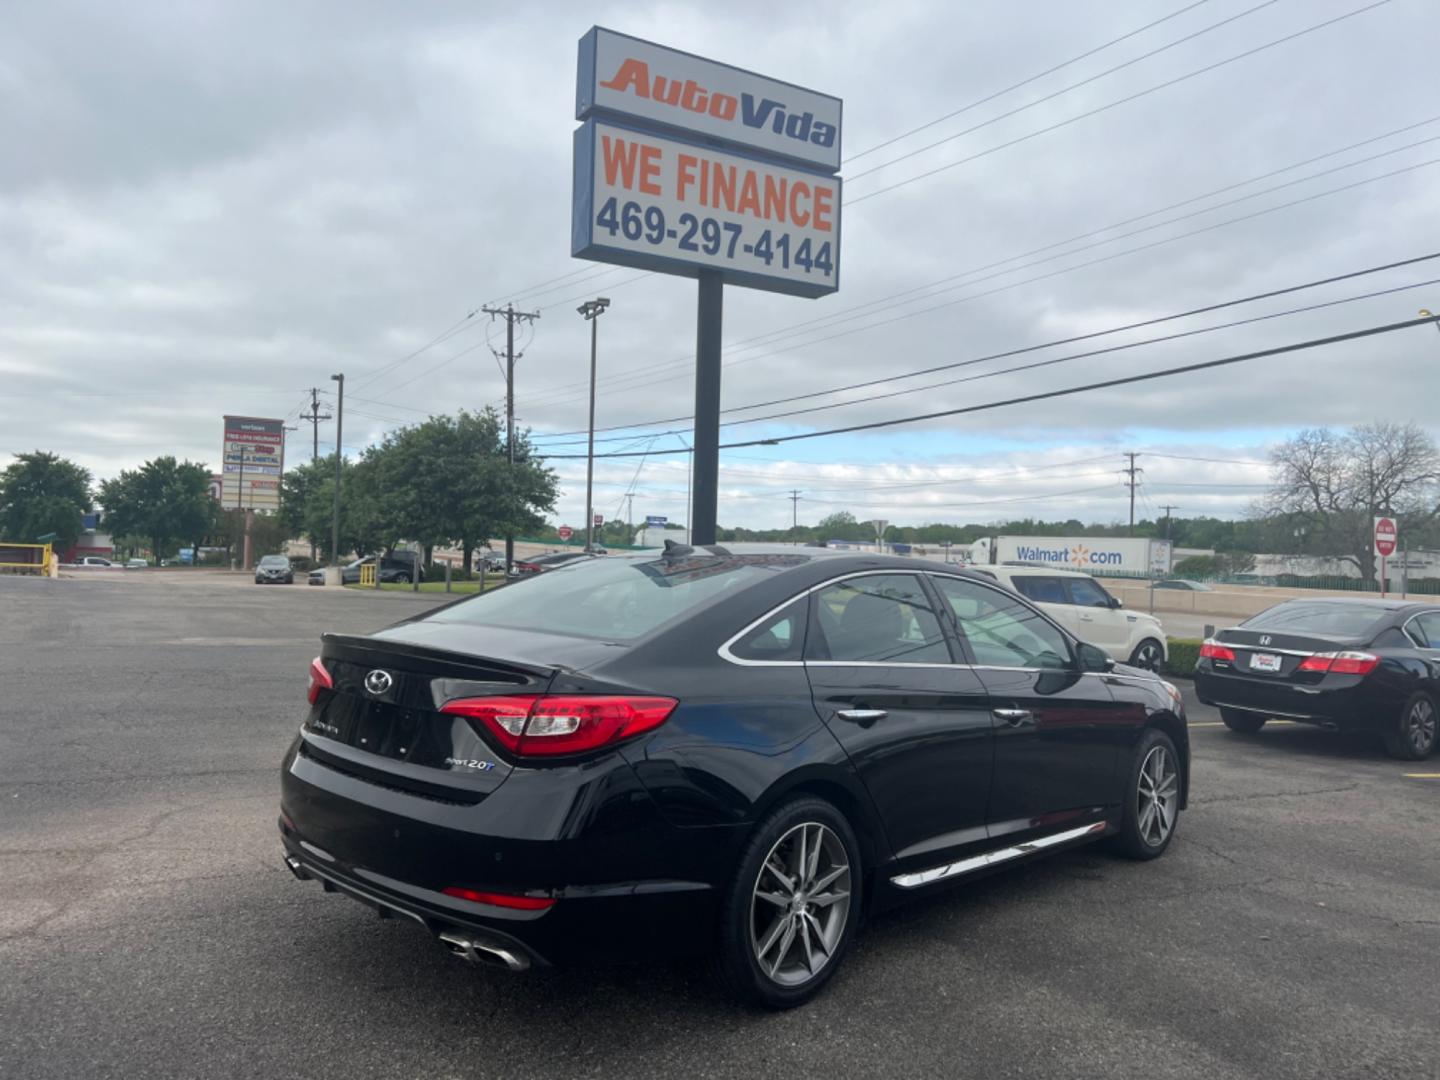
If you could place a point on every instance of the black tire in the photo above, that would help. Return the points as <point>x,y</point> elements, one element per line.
<point>1242,722</point>
<point>736,963</point>
<point>1137,838</point>
<point>1411,736</point>
<point>1149,655</point>
<point>401,579</point>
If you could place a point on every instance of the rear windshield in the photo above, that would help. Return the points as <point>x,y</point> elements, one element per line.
<point>616,599</point>
<point>1326,620</point>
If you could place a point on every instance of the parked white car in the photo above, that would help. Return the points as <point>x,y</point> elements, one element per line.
<point>1080,604</point>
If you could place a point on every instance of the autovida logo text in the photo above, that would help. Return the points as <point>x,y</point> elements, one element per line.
<point>634,77</point>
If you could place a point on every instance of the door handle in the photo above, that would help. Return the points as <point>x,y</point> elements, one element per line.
<point>1014,717</point>
<point>863,717</point>
<point>1087,618</point>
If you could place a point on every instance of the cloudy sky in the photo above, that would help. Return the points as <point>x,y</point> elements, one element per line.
<point>208,208</point>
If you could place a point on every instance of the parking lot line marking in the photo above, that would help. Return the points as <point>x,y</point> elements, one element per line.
<point>1422,775</point>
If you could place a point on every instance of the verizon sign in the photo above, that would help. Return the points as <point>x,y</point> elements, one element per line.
<point>621,76</point>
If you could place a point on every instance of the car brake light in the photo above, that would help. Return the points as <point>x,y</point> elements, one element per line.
<point>535,726</point>
<point>1213,650</point>
<point>505,900</point>
<point>1341,663</point>
<point>319,680</point>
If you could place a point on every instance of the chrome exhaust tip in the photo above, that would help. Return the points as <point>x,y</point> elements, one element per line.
<point>478,951</point>
<point>296,867</point>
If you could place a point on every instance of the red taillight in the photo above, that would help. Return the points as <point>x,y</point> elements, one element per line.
<point>503,717</point>
<point>1341,663</point>
<point>319,680</point>
<point>505,900</point>
<point>532,726</point>
<point>1213,650</point>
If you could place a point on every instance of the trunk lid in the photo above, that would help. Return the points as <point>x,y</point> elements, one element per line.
<point>1270,655</point>
<point>382,720</point>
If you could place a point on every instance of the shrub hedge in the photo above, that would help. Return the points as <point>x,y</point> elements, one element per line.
<point>1183,654</point>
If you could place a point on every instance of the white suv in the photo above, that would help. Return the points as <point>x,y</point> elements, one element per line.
<point>1080,604</point>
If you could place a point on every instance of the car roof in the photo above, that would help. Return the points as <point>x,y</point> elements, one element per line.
<point>1027,568</point>
<point>1388,603</point>
<point>834,560</point>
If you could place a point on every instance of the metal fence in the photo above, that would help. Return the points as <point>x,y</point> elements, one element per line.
<point>25,558</point>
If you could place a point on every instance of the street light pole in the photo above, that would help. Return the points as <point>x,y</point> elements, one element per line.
<point>1430,315</point>
<point>339,449</point>
<point>590,311</point>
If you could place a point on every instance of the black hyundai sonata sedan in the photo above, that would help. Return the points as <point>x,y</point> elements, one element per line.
<point>1343,664</point>
<point>737,751</point>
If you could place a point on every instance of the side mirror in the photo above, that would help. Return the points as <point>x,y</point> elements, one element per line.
<point>1116,602</point>
<point>1093,658</point>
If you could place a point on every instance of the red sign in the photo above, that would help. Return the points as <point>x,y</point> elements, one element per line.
<point>565,532</point>
<point>599,520</point>
<point>1386,536</point>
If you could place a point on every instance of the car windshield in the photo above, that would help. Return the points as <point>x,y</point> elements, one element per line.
<point>616,599</point>
<point>1325,620</point>
<point>274,560</point>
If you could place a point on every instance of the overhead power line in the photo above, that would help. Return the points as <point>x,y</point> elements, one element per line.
<point>620,382</point>
<point>1116,103</point>
<point>1062,91</point>
<point>1045,395</point>
<point>1025,82</point>
<point>1075,338</point>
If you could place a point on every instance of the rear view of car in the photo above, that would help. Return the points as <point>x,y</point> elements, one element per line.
<point>1341,664</point>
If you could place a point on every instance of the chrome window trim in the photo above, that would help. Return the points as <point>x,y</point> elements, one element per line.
<point>725,653</point>
<point>879,663</point>
<point>1405,628</point>
<point>1010,594</point>
<point>916,878</point>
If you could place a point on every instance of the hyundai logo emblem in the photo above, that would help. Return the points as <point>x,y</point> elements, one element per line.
<point>377,682</point>
<point>1264,639</point>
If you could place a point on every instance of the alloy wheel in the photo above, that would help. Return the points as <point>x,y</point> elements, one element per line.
<point>1158,792</point>
<point>800,904</point>
<point>1420,726</point>
<point>1147,656</point>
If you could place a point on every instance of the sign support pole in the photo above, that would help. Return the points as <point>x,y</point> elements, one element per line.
<point>708,326</point>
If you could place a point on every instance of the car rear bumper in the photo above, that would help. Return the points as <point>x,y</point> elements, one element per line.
<point>1345,706</point>
<point>625,884</point>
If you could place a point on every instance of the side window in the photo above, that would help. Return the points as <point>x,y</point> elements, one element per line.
<point>884,618</point>
<point>1425,629</point>
<point>1086,593</point>
<point>1000,630</point>
<point>1043,590</point>
<point>781,637</point>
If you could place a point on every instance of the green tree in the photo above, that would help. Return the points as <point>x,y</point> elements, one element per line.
<point>40,494</point>
<point>164,500</point>
<point>306,502</point>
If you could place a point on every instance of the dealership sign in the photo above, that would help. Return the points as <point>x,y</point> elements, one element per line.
<point>684,165</point>
<point>656,86</point>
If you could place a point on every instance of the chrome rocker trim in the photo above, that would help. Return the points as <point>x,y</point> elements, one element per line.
<point>991,858</point>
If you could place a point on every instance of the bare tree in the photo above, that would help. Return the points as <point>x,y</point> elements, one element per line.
<point>1335,482</point>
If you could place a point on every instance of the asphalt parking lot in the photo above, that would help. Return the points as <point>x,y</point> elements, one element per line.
<point>148,928</point>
